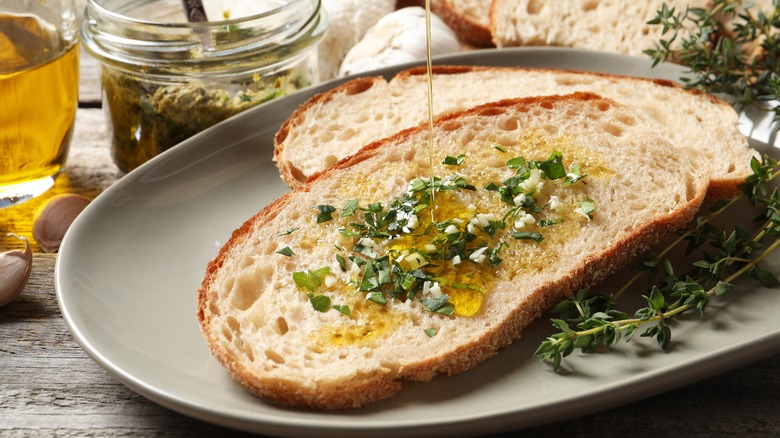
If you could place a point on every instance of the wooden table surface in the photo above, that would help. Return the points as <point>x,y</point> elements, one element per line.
<point>50,387</point>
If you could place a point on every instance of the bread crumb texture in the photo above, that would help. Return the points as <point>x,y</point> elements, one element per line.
<point>262,323</point>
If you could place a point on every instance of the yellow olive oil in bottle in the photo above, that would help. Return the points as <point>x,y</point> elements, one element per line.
<point>38,99</point>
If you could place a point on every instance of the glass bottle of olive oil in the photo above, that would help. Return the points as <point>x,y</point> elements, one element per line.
<point>38,99</point>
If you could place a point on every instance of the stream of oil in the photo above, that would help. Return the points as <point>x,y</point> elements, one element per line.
<point>429,65</point>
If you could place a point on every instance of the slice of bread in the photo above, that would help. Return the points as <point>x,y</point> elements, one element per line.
<point>470,19</point>
<point>256,304</point>
<point>337,123</point>
<point>618,26</point>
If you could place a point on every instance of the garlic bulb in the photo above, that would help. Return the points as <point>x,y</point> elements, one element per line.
<point>15,267</point>
<point>53,219</point>
<point>397,38</point>
<point>348,22</point>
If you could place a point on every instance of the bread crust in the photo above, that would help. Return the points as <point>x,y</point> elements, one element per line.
<point>369,386</point>
<point>468,30</point>
<point>293,176</point>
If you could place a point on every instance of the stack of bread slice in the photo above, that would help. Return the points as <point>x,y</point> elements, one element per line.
<point>390,261</point>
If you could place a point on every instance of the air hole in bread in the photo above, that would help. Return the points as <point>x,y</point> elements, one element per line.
<point>547,105</point>
<point>534,6</point>
<point>690,189</point>
<point>508,124</point>
<point>410,154</point>
<point>247,349</point>
<point>326,136</point>
<point>248,286</point>
<point>613,130</point>
<point>731,168</point>
<point>645,31</point>
<point>450,126</point>
<point>346,134</point>
<point>594,28</point>
<point>329,160</point>
<point>269,249</point>
<point>281,326</point>
<point>626,119</point>
<point>603,106</point>
<point>590,5</point>
<point>232,323</point>
<point>274,356</point>
<point>360,86</point>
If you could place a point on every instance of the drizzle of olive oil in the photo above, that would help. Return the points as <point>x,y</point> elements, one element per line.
<point>429,64</point>
<point>372,323</point>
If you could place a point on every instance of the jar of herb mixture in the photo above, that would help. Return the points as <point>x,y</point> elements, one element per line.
<point>165,78</point>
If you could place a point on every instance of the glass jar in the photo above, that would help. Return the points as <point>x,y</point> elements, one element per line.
<point>165,79</point>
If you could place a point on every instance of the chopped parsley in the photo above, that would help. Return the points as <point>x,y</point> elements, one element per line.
<point>454,161</point>
<point>381,270</point>
<point>286,251</point>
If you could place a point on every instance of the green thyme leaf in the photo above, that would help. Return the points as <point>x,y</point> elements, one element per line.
<point>288,232</point>
<point>325,213</point>
<point>454,161</point>
<point>431,332</point>
<point>349,208</point>
<point>310,280</point>
<point>286,251</point>
<point>321,303</point>
<point>553,166</point>
<point>342,262</point>
<point>527,235</point>
<point>440,304</point>
<point>377,297</point>
<point>343,308</point>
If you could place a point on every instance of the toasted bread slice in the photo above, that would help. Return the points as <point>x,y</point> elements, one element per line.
<point>617,26</point>
<point>337,123</point>
<point>262,305</point>
<point>470,19</point>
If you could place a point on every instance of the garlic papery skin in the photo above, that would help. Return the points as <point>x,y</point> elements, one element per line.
<point>397,38</point>
<point>53,219</point>
<point>15,268</point>
<point>349,20</point>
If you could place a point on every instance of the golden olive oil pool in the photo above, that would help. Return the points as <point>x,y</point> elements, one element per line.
<point>38,99</point>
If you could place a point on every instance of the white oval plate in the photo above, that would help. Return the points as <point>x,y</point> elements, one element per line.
<point>129,268</point>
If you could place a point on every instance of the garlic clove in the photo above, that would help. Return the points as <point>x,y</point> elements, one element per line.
<point>53,219</point>
<point>397,38</point>
<point>15,267</point>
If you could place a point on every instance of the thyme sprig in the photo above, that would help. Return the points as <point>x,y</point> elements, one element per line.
<point>591,320</point>
<point>728,49</point>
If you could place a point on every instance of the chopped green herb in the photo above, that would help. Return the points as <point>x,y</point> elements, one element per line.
<point>349,208</point>
<point>325,213</point>
<point>343,308</point>
<point>288,232</point>
<point>286,251</point>
<point>550,222</point>
<point>574,175</point>
<point>527,235</point>
<point>553,167</point>
<point>321,303</point>
<point>499,148</point>
<point>454,161</point>
<point>431,332</point>
<point>342,262</point>
<point>439,305</point>
<point>376,297</point>
<point>587,207</point>
<point>310,280</point>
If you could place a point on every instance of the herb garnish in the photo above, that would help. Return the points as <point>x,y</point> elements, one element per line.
<point>738,59</point>
<point>589,320</point>
<point>397,255</point>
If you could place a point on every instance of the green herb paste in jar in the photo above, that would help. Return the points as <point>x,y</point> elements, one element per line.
<point>165,79</point>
